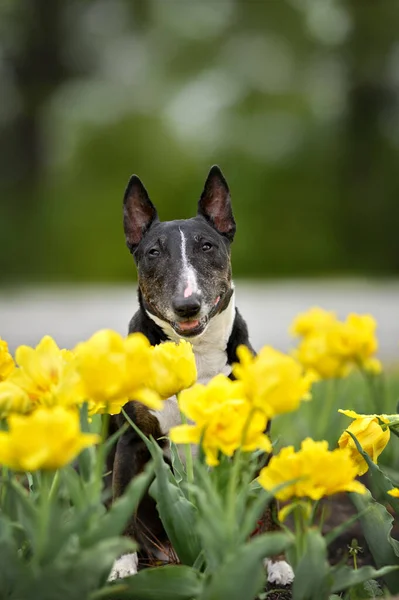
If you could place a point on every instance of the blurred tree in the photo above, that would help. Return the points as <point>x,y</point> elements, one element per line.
<point>32,48</point>
<point>368,217</point>
<point>297,101</point>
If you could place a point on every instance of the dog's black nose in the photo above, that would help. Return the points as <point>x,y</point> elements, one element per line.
<point>187,307</point>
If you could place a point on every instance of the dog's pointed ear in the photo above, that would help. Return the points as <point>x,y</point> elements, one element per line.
<point>215,204</point>
<point>139,213</point>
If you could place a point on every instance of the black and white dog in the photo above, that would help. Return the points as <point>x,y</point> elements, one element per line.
<point>185,292</point>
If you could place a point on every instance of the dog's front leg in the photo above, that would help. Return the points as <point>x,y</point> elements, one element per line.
<point>131,456</point>
<point>279,572</point>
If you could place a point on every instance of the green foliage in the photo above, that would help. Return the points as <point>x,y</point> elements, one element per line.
<point>241,574</point>
<point>362,591</point>
<point>377,527</point>
<point>315,578</point>
<point>320,419</point>
<point>178,514</point>
<point>311,570</point>
<point>220,534</point>
<point>57,541</point>
<point>169,583</point>
<point>211,531</point>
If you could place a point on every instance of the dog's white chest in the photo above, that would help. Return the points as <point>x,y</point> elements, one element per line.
<point>210,360</point>
<point>210,357</point>
<point>209,363</point>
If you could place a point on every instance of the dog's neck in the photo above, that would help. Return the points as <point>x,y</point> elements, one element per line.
<point>210,348</point>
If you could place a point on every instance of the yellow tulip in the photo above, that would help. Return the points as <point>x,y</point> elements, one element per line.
<point>317,470</point>
<point>49,438</point>
<point>13,399</point>
<point>315,354</point>
<point>173,368</point>
<point>311,321</point>
<point>224,420</point>
<point>7,364</point>
<point>273,382</point>
<point>114,370</point>
<point>200,401</point>
<point>356,341</point>
<point>394,492</point>
<point>370,435</point>
<point>331,348</point>
<point>45,374</point>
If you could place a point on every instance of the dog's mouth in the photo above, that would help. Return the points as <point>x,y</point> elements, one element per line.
<point>192,327</point>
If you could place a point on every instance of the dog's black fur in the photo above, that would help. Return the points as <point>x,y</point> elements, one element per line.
<point>184,284</point>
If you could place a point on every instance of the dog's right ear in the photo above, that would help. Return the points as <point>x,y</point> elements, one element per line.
<point>215,204</point>
<point>139,213</point>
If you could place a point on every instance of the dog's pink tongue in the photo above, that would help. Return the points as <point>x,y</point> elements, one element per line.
<point>187,325</point>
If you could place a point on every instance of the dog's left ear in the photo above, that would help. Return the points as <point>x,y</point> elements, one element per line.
<point>215,204</point>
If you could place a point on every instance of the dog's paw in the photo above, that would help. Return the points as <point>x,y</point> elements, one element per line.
<point>124,566</point>
<point>279,572</point>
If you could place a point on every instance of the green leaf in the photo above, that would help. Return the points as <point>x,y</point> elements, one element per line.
<point>11,568</point>
<point>254,512</point>
<point>178,515</point>
<point>378,478</point>
<point>311,572</point>
<point>169,583</point>
<point>337,531</point>
<point>216,532</point>
<point>65,529</point>
<point>363,591</point>
<point>114,521</point>
<point>242,574</point>
<point>86,461</point>
<point>75,486</point>
<point>74,575</point>
<point>87,457</point>
<point>345,577</point>
<point>199,564</point>
<point>137,430</point>
<point>377,526</point>
<point>177,465</point>
<point>251,499</point>
<point>27,511</point>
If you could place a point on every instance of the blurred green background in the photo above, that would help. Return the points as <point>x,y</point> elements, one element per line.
<point>296,100</point>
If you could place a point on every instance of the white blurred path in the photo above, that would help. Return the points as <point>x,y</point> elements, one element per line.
<point>72,313</point>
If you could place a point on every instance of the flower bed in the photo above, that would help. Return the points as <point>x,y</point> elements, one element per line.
<point>57,540</point>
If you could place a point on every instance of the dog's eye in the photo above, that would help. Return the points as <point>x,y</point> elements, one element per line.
<point>154,252</point>
<point>207,246</point>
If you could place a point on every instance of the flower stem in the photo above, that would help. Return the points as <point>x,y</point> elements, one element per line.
<point>235,472</point>
<point>233,482</point>
<point>100,452</point>
<point>104,426</point>
<point>327,409</point>
<point>188,455</point>
<point>3,486</point>
<point>43,517</point>
<point>300,528</point>
<point>298,535</point>
<point>55,485</point>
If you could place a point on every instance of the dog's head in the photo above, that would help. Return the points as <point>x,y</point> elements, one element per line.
<point>183,266</point>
